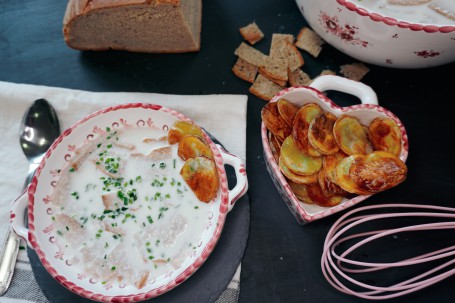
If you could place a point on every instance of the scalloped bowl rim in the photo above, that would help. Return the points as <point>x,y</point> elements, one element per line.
<point>151,291</point>
<point>390,21</point>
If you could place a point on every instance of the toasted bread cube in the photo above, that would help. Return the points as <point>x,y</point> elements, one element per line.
<point>244,70</point>
<point>264,88</point>
<point>263,72</point>
<point>276,68</point>
<point>299,78</point>
<point>252,33</point>
<point>354,71</point>
<point>250,54</point>
<point>278,43</point>
<point>309,41</point>
<point>295,59</point>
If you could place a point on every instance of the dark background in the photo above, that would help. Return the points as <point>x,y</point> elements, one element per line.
<point>282,259</point>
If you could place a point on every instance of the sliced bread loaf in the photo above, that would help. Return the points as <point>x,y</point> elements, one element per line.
<point>152,26</point>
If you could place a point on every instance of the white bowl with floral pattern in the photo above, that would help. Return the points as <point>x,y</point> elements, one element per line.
<point>376,38</point>
<point>41,233</point>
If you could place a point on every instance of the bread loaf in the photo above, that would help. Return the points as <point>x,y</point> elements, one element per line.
<point>152,26</point>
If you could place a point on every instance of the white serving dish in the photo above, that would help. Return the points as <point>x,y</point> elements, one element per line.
<point>40,234</point>
<point>376,39</point>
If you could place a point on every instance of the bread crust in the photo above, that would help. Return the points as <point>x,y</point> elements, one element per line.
<point>81,8</point>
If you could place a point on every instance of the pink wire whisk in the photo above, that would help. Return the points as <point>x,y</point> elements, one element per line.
<point>340,270</point>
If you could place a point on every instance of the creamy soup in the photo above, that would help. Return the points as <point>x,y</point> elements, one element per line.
<point>125,215</point>
<point>440,12</point>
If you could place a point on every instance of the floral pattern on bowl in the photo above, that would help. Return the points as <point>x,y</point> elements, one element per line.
<point>40,234</point>
<point>376,39</point>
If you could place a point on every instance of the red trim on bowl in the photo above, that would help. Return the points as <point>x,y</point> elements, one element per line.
<point>392,21</point>
<point>186,273</point>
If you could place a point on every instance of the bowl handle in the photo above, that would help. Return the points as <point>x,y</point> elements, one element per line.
<point>241,187</point>
<point>345,85</point>
<point>17,216</point>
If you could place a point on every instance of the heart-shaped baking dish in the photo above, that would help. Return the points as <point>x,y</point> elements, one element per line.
<point>365,112</point>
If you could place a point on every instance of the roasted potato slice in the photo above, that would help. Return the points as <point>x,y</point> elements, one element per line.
<point>299,179</point>
<point>182,128</point>
<point>300,191</point>
<point>301,126</point>
<point>201,175</point>
<point>316,195</point>
<point>351,136</point>
<point>320,133</point>
<point>369,174</point>
<point>275,146</point>
<point>343,176</point>
<point>192,146</point>
<point>287,110</point>
<point>274,122</point>
<point>297,161</point>
<point>385,135</point>
<point>328,187</point>
<point>329,163</point>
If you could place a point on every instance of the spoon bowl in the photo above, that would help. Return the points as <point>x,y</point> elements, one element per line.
<point>39,128</point>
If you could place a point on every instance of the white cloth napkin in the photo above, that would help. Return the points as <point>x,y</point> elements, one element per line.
<point>221,115</point>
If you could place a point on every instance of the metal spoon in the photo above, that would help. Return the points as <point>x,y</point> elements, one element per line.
<point>39,128</point>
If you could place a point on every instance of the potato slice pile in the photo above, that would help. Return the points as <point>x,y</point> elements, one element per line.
<point>326,158</point>
<point>199,170</point>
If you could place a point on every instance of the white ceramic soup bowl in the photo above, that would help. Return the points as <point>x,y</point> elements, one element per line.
<point>379,39</point>
<point>365,112</point>
<point>41,233</point>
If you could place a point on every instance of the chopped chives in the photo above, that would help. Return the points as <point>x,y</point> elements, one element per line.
<point>149,218</point>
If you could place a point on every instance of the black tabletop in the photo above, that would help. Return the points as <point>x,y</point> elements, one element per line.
<point>282,259</point>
